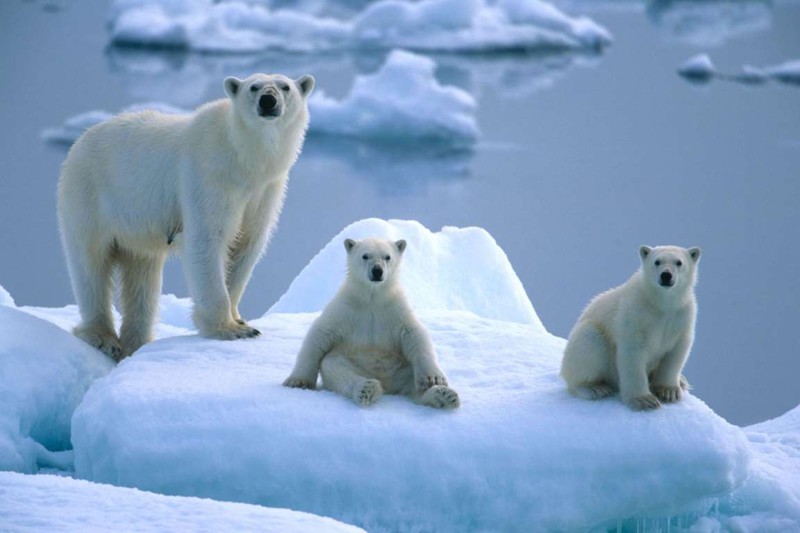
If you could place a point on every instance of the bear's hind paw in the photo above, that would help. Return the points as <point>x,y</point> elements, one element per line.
<point>441,397</point>
<point>369,393</point>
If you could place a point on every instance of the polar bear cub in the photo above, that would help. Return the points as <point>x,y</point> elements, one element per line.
<point>367,340</point>
<point>635,338</point>
<point>211,184</point>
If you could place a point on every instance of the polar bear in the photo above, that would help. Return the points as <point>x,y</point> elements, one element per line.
<point>635,338</point>
<point>367,340</point>
<point>210,185</point>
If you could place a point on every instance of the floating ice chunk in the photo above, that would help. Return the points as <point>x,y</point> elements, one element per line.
<point>698,68</point>
<point>73,127</point>
<point>441,25</point>
<point>44,373</point>
<point>788,72</point>
<point>453,270</point>
<point>53,503</point>
<point>751,75</point>
<point>403,101</point>
<point>190,416</point>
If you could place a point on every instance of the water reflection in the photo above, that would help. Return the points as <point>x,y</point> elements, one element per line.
<point>709,23</point>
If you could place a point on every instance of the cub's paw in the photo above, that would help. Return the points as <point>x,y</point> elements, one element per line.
<point>441,397</point>
<point>299,383</point>
<point>593,391</point>
<point>233,331</point>
<point>426,381</point>
<point>667,393</point>
<point>105,341</point>
<point>368,393</point>
<point>648,402</point>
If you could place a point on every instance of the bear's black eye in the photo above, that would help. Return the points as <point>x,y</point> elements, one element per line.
<point>365,257</point>
<point>658,263</point>
<point>285,88</point>
<point>679,262</point>
<point>388,258</point>
<point>254,88</point>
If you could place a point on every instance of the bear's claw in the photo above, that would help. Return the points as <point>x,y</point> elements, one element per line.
<point>647,402</point>
<point>666,393</point>
<point>426,382</point>
<point>370,392</point>
<point>298,383</point>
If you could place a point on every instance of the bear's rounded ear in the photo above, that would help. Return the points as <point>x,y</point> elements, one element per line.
<point>349,244</point>
<point>305,84</point>
<point>694,253</point>
<point>232,85</point>
<point>644,251</point>
<point>401,245</point>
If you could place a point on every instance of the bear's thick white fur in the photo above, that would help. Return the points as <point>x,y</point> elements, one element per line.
<point>635,338</point>
<point>367,340</point>
<point>210,184</point>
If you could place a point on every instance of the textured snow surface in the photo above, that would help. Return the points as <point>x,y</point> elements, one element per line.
<point>44,373</point>
<point>434,25</point>
<point>52,503</point>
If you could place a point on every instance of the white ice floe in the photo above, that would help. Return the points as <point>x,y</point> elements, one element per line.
<point>698,67</point>
<point>189,416</point>
<point>403,101</point>
<point>45,372</point>
<point>434,25</point>
<point>787,72</point>
<point>54,503</point>
<point>5,297</point>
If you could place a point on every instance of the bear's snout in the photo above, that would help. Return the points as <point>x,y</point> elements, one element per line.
<point>268,105</point>
<point>666,279</point>
<point>376,274</point>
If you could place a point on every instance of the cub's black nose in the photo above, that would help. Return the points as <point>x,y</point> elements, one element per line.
<point>377,273</point>
<point>267,103</point>
<point>666,278</point>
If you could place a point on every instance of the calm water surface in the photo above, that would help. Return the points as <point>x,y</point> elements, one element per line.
<point>582,160</point>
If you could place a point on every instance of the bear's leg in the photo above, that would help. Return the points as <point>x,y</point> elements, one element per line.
<point>634,386</point>
<point>440,397</point>
<point>668,383</point>
<point>141,287</point>
<point>587,362</point>
<point>91,273</point>
<point>340,375</point>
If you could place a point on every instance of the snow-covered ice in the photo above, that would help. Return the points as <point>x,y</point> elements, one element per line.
<point>787,72</point>
<point>54,503</point>
<point>701,69</point>
<point>45,372</point>
<point>403,101</point>
<point>187,416</point>
<point>432,25</point>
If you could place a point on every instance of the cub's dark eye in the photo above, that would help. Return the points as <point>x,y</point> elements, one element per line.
<point>388,258</point>
<point>255,88</point>
<point>285,88</point>
<point>679,262</point>
<point>658,263</point>
<point>365,257</point>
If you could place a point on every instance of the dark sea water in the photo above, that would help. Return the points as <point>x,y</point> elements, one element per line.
<point>582,159</point>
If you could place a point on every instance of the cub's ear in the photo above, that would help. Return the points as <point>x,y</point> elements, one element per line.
<point>401,245</point>
<point>694,253</point>
<point>305,84</point>
<point>349,244</point>
<point>232,85</point>
<point>644,251</point>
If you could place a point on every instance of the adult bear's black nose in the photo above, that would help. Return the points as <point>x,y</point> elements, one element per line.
<point>267,103</point>
<point>377,273</point>
<point>666,278</point>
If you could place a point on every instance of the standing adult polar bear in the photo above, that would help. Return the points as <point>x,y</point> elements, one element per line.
<point>210,184</point>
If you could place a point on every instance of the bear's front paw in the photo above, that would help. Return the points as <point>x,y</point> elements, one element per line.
<point>441,397</point>
<point>667,393</point>
<point>368,393</point>
<point>105,341</point>
<point>427,381</point>
<point>233,331</point>
<point>648,402</point>
<point>299,383</point>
